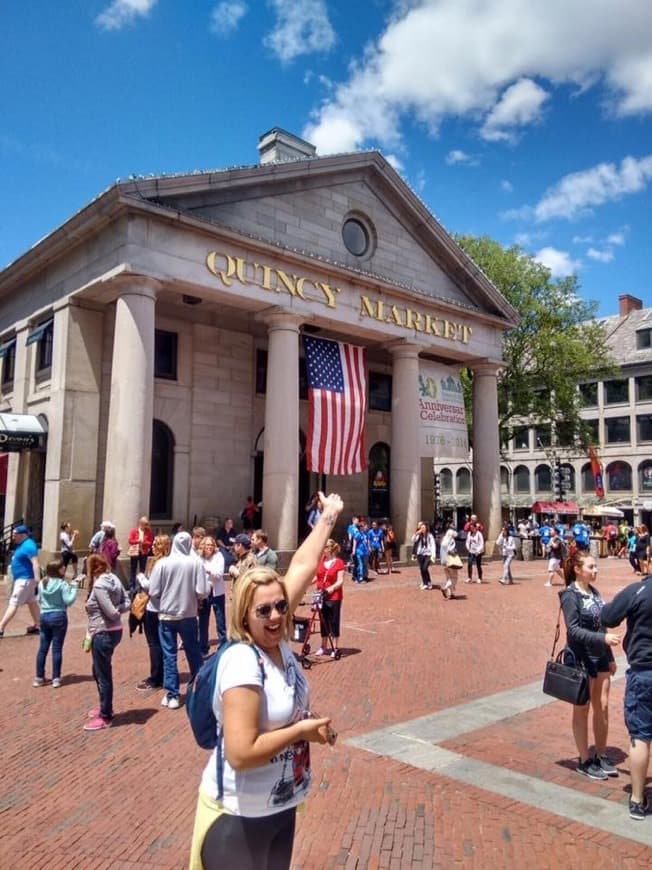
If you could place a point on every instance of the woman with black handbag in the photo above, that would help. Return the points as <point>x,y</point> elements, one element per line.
<point>588,646</point>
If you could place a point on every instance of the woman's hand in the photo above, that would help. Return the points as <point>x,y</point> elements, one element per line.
<point>317,731</point>
<point>331,507</point>
<point>611,639</point>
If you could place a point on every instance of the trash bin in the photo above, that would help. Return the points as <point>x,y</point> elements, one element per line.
<point>594,547</point>
<point>527,549</point>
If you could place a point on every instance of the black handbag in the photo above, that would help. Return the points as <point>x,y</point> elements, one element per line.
<point>566,682</point>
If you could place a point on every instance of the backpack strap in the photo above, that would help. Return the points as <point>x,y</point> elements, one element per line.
<point>220,730</point>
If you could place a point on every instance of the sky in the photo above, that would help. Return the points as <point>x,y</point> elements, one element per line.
<point>527,121</point>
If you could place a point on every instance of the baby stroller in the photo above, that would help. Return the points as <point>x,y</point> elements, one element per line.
<point>303,627</point>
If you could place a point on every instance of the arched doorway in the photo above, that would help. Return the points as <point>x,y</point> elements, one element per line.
<point>304,479</point>
<point>378,499</point>
<point>162,481</point>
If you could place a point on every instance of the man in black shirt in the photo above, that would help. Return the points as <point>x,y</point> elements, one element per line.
<point>634,603</point>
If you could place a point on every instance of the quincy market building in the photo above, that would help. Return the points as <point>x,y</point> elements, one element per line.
<point>154,340</point>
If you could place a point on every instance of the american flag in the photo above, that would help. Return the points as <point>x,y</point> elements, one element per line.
<point>336,375</point>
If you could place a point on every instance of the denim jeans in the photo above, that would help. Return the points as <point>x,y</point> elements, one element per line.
<point>54,625</point>
<point>150,622</point>
<point>104,643</point>
<point>218,603</point>
<point>169,630</point>
<point>424,566</point>
<point>203,620</point>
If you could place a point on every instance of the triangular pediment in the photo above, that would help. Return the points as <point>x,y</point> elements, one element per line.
<point>303,205</point>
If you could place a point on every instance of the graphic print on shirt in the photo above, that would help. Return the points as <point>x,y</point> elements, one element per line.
<point>295,773</point>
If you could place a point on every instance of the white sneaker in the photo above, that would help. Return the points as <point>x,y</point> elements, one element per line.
<point>165,700</point>
<point>502,580</point>
<point>321,651</point>
<point>38,682</point>
<point>173,704</point>
<point>56,683</point>
<point>478,580</point>
<point>547,584</point>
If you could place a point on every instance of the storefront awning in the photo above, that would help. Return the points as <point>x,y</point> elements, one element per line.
<point>21,432</point>
<point>37,332</point>
<point>555,507</point>
<point>6,347</point>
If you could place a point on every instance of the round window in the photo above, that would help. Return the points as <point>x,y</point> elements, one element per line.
<point>355,237</point>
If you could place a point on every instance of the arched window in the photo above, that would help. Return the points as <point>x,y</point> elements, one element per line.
<point>463,480</point>
<point>521,479</point>
<point>588,483</point>
<point>645,477</point>
<point>162,484</point>
<point>543,478</point>
<point>446,480</point>
<point>504,480</point>
<point>379,480</point>
<point>566,466</point>
<point>619,476</point>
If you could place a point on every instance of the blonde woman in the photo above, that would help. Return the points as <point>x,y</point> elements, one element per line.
<point>447,547</point>
<point>246,817</point>
<point>160,548</point>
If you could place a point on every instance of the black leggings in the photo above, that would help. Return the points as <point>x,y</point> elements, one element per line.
<point>424,563</point>
<point>240,843</point>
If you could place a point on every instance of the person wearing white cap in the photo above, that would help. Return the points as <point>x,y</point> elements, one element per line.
<point>98,537</point>
<point>25,572</point>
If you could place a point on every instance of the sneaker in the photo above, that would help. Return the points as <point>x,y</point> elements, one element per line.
<point>478,580</point>
<point>603,762</point>
<point>32,629</point>
<point>321,651</point>
<point>98,724</point>
<point>94,713</point>
<point>173,703</point>
<point>56,683</point>
<point>38,681</point>
<point>145,686</point>
<point>638,811</point>
<point>591,769</point>
<point>468,580</point>
<point>547,584</point>
<point>165,700</point>
<point>423,586</point>
<point>333,654</point>
<point>501,580</point>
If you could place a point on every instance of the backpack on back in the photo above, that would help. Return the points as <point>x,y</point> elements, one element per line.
<point>199,697</point>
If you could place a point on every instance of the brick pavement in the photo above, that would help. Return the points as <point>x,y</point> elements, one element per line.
<point>125,798</point>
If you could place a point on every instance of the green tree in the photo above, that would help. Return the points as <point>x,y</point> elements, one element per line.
<point>557,344</point>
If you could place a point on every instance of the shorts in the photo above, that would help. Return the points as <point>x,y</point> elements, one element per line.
<point>554,564</point>
<point>638,705</point>
<point>24,592</point>
<point>67,556</point>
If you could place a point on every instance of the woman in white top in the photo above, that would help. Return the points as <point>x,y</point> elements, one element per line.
<point>213,562</point>
<point>67,538</point>
<point>506,545</point>
<point>246,813</point>
<point>448,547</point>
<point>423,547</point>
<point>475,549</point>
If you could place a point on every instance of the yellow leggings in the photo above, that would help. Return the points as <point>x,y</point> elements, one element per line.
<point>208,811</point>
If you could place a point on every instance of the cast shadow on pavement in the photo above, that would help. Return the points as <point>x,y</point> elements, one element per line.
<point>133,717</point>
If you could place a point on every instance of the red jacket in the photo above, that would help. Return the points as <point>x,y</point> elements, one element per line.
<point>148,540</point>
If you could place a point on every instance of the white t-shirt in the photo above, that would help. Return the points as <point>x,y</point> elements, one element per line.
<point>66,541</point>
<point>284,781</point>
<point>215,573</point>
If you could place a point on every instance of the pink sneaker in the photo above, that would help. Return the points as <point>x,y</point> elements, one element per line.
<point>94,713</point>
<point>97,724</point>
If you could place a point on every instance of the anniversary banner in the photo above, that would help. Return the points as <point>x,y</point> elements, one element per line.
<point>442,419</point>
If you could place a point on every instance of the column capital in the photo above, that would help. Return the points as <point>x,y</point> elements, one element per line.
<point>487,367</point>
<point>403,349</point>
<point>136,285</point>
<point>278,318</point>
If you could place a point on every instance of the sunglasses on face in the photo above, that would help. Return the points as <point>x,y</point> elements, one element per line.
<point>264,611</point>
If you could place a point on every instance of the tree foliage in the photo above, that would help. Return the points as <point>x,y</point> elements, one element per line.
<point>557,344</point>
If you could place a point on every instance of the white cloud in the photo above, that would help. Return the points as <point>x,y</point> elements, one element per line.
<point>394,161</point>
<point>519,105</point>
<point>123,12</point>
<point>429,63</point>
<point>560,263</point>
<point>603,256</point>
<point>616,238</point>
<point>226,16</point>
<point>526,240</point>
<point>506,185</point>
<point>457,156</point>
<point>582,240</point>
<point>301,28</point>
<point>580,191</point>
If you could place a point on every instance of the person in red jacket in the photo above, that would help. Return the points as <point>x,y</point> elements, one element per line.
<point>330,581</point>
<point>140,546</point>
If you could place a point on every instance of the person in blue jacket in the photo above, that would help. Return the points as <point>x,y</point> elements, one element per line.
<point>55,597</point>
<point>581,535</point>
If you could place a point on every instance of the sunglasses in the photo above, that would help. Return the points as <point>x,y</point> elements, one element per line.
<point>264,611</point>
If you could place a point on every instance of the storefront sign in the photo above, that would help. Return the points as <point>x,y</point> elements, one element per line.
<point>14,442</point>
<point>442,418</point>
<point>230,269</point>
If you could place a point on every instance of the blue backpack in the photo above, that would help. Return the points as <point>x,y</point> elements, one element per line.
<point>199,705</point>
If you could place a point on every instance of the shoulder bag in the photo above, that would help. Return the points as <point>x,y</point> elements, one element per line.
<point>565,682</point>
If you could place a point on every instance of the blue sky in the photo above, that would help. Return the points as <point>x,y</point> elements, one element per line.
<point>530,122</point>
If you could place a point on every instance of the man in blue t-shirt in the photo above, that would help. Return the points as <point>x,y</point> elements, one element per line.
<point>25,572</point>
<point>360,553</point>
<point>375,539</point>
<point>545,532</point>
<point>581,535</point>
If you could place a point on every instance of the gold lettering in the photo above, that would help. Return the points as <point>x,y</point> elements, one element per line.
<point>394,316</point>
<point>450,330</point>
<point>367,309</point>
<point>411,316</point>
<point>290,283</point>
<point>265,282</point>
<point>235,268</point>
<point>328,291</point>
<point>431,326</point>
<point>467,331</point>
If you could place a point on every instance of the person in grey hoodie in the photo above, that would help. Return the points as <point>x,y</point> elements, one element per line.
<point>176,586</point>
<point>106,602</point>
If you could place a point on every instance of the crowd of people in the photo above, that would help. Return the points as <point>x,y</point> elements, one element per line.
<point>260,770</point>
